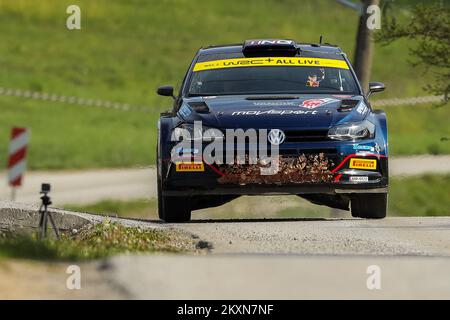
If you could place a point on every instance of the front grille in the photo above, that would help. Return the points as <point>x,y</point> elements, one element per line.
<point>306,135</point>
<point>331,153</point>
<point>298,135</point>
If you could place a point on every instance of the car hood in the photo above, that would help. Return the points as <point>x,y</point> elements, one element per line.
<point>303,111</point>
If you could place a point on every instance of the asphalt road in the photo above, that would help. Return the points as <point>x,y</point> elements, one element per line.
<point>298,259</point>
<point>83,187</point>
<point>280,277</point>
<point>425,236</point>
<point>261,259</point>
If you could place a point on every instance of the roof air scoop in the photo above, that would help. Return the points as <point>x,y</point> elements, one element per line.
<point>270,47</point>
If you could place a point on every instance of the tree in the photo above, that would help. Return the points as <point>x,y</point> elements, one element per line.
<point>430,27</point>
<point>364,46</point>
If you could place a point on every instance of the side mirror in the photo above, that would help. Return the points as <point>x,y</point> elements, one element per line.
<point>375,87</point>
<point>166,91</point>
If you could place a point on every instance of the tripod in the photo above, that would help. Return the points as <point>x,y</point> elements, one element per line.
<point>45,215</point>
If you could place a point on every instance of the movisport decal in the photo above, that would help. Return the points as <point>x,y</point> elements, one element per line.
<point>270,61</point>
<point>272,112</point>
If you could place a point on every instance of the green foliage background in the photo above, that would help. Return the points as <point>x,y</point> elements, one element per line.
<point>126,49</point>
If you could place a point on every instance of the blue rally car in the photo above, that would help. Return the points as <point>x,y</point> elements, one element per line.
<point>303,99</point>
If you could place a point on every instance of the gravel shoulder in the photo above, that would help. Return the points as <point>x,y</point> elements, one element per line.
<point>415,236</point>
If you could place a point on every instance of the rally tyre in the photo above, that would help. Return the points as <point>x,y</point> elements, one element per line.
<point>173,209</point>
<point>170,209</point>
<point>159,194</point>
<point>369,206</point>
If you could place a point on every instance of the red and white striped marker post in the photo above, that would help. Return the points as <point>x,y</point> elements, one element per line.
<point>17,158</point>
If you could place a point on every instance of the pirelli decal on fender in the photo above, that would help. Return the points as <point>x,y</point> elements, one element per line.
<point>364,164</point>
<point>190,167</point>
<point>270,61</point>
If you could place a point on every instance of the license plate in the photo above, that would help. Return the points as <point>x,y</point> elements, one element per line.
<point>359,179</point>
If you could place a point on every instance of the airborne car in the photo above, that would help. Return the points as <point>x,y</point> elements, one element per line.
<point>303,99</point>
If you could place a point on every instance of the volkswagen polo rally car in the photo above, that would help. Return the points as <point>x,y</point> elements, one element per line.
<point>303,99</point>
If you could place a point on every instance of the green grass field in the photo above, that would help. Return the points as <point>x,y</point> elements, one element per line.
<point>125,49</point>
<point>418,129</point>
<point>427,195</point>
<point>67,137</point>
<point>420,196</point>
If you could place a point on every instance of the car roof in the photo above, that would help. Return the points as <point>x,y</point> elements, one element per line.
<point>305,47</point>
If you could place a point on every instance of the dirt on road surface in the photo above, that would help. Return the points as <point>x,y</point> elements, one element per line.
<point>21,279</point>
<point>428,236</point>
<point>85,187</point>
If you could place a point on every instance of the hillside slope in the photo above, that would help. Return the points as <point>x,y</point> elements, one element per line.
<point>125,49</point>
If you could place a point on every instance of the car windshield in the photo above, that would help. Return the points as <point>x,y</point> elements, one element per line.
<point>271,76</point>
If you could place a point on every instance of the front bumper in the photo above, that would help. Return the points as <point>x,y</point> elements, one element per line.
<point>278,190</point>
<point>338,178</point>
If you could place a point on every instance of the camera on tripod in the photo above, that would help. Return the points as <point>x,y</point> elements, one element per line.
<point>44,214</point>
<point>45,188</point>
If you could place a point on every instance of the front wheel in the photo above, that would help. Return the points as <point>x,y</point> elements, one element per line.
<point>173,209</point>
<point>369,206</point>
<point>170,209</point>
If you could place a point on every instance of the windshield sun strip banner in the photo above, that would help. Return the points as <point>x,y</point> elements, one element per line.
<point>270,61</point>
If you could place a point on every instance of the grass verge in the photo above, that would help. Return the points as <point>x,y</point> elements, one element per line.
<point>141,209</point>
<point>427,195</point>
<point>96,241</point>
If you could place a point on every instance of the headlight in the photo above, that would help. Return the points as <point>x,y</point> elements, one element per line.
<point>194,132</point>
<point>353,131</point>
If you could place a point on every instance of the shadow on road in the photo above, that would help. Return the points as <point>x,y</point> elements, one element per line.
<point>248,220</point>
<point>365,224</point>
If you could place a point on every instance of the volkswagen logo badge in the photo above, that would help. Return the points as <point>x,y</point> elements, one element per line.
<point>276,137</point>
